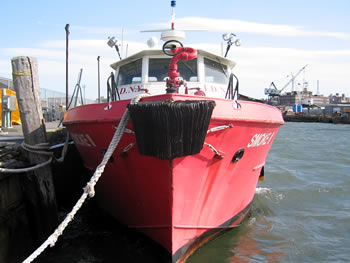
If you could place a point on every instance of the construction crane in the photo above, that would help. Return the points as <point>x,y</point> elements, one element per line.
<point>272,91</point>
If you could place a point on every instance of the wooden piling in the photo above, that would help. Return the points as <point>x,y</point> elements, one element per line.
<point>38,185</point>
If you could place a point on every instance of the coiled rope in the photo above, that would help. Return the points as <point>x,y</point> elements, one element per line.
<point>43,149</point>
<point>89,190</point>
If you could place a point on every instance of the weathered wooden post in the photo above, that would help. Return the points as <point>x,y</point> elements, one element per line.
<point>39,186</point>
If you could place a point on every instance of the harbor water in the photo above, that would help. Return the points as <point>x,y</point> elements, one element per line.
<point>301,212</point>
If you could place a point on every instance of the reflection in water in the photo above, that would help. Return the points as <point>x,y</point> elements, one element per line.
<point>249,248</point>
<point>252,241</point>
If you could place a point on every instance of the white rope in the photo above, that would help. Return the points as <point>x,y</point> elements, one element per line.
<point>89,190</point>
<point>40,148</point>
<point>64,150</point>
<point>24,170</point>
<point>116,138</point>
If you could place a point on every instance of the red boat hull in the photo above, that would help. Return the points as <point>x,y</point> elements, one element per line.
<point>183,202</point>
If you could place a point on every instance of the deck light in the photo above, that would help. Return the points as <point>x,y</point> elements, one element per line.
<point>112,42</point>
<point>231,38</point>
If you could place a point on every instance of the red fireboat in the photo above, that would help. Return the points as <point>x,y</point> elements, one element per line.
<point>188,163</point>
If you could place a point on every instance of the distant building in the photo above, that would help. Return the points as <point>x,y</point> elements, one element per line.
<point>5,83</point>
<point>337,99</point>
<point>304,97</point>
<point>289,98</point>
<point>331,109</point>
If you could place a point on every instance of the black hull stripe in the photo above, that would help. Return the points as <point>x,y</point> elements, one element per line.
<point>181,252</point>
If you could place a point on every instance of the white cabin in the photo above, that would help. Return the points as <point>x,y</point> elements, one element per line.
<point>147,71</point>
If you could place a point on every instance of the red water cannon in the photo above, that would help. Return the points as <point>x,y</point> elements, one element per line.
<point>174,48</point>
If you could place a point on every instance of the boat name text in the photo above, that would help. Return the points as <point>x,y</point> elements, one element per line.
<point>214,89</point>
<point>131,89</point>
<point>83,140</point>
<point>260,139</point>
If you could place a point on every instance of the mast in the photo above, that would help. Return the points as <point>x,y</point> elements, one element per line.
<point>173,5</point>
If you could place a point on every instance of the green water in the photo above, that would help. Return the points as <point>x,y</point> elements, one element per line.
<point>301,212</point>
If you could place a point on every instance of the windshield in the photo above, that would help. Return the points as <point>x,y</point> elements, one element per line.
<point>159,68</point>
<point>130,73</point>
<point>215,72</point>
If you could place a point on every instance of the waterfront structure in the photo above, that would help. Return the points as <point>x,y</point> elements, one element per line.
<point>336,109</point>
<point>304,97</point>
<point>337,99</point>
<point>5,83</point>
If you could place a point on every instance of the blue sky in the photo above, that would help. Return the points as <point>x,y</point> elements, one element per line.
<point>278,37</point>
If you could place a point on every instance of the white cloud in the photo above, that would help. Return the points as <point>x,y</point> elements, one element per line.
<point>229,25</point>
<point>97,30</point>
<point>258,67</point>
<point>33,52</point>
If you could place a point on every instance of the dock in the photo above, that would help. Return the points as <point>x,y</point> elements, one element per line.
<point>20,228</point>
<point>93,236</point>
<point>316,118</point>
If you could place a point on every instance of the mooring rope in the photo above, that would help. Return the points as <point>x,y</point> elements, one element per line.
<point>64,150</point>
<point>89,190</point>
<point>28,169</point>
<point>41,148</point>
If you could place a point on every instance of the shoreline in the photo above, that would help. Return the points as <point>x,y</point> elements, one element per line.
<point>316,118</point>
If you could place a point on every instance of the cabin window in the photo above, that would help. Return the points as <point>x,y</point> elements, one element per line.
<point>215,72</point>
<point>159,68</point>
<point>130,73</point>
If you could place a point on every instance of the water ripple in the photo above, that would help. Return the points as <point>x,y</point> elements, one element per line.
<point>301,212</point>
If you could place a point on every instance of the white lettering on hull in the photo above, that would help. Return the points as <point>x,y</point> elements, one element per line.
<point>260,139</point>
<point>83,139</point>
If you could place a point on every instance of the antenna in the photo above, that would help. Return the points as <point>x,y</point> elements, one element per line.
<point>173,5</point>
<point>171,33</point>
<point>122,47</point>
